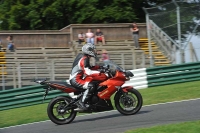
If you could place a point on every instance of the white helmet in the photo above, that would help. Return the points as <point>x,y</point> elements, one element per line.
<point>89,49</point>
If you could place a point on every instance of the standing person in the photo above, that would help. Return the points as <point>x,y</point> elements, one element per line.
<point>99,37</point>
<point>135,31</point>
<point>83,74</point>
<point>11,45</point>
<point>81,37</point>
<point>90,36</point>
<point>105,57</point>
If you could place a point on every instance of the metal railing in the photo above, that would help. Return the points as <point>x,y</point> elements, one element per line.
<point>22,74</point>
<point>166,44</point>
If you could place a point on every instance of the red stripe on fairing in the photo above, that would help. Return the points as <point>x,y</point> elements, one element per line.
<point>63,88</point>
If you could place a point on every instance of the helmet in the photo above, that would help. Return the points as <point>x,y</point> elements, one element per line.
<point>89,49</point>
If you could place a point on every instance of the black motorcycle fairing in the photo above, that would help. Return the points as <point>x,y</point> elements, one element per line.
<point>102,105</point>
<point>101,88</point>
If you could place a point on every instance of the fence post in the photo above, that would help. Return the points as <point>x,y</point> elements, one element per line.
<point>182,52</point>
<point>3,79</point>
<point>122,60</point>
<point>19,75</point>
<point>143,60</point>
<point>45,40</point>
<point>149,40</point>
<point>52,70</point>
<point>36,71</point>
<point>14,77</point>
<point>134,59</point>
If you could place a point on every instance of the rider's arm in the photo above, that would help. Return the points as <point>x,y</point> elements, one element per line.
<point>94,67</point>
<point>87,69</point>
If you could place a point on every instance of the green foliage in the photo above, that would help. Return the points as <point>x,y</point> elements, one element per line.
<point>55,14</point>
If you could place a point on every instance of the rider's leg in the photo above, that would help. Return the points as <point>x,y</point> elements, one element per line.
<point>86,96</point>
<point>88,93</point>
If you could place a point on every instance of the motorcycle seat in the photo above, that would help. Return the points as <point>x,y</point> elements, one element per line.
<point>64,83</point>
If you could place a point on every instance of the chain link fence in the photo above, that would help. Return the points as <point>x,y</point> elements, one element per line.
<point>175,22</point>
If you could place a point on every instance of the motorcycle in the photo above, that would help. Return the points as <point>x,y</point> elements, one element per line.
<point>127,100</point>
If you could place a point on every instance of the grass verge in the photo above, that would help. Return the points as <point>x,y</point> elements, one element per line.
<point>153,95</point>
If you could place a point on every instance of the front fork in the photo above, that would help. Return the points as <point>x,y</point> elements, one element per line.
<point>123,91</point>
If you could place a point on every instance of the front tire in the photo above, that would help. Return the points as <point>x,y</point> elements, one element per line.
<point>128,103</point>
<point>57,113</point>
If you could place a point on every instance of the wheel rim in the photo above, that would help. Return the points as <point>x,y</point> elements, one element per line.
<point>128,102</point>
<point>59,111</point>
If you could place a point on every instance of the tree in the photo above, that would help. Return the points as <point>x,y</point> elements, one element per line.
<point>56,14</point>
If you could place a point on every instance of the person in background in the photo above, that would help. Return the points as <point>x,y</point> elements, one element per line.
<point>81,37</point>
<point>99,37</point>
<point>11,45</point>
<point>135,32</point>
<point>90,37</point>
<point>105,57</point>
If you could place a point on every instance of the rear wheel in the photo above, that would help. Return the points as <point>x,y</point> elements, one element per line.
<point>128,103</point>
<point>57,113</point>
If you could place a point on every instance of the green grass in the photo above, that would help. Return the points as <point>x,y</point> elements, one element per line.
<point>23,115</point>
<point>185,127</point>
<point>153,95</point>
<point>168,93</point>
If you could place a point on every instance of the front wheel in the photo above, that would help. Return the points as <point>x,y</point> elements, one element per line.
<point>57,112</point>
<point>128,103</point>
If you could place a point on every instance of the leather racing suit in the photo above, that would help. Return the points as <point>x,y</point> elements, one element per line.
<point>83,74</point>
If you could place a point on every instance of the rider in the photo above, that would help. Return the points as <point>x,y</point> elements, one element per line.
<point>83,74</point>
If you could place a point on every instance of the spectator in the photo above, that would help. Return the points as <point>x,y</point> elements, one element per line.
<point>90,36</point>
<point>81,37</point>
<point>11,45</point>
<point>135,31</point>
<point>99,37</point>
<point>105,57</point>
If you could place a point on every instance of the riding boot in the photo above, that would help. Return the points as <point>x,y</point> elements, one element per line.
<point>81,106</point>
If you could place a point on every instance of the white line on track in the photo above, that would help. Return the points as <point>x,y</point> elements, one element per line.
<point>104,112</point>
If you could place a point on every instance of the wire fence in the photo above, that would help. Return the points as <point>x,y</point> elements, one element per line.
<point>177,20</point>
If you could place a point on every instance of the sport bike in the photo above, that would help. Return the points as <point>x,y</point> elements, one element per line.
<point>127,100</point>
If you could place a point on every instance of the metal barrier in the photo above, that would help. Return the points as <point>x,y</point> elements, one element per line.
<point>165,75</point>
<point>25,96</point>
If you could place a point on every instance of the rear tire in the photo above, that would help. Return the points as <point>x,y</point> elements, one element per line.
<point>129,104</point>
<point>57,113</point>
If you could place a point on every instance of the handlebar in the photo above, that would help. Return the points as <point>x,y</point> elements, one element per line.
<point>106,69</point>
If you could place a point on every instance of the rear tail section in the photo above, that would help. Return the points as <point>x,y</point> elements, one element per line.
<point>64,86</point>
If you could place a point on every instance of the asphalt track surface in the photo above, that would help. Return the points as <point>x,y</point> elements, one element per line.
<point>114,122</point>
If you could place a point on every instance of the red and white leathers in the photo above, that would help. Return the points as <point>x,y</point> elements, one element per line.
<point>83,74</point>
